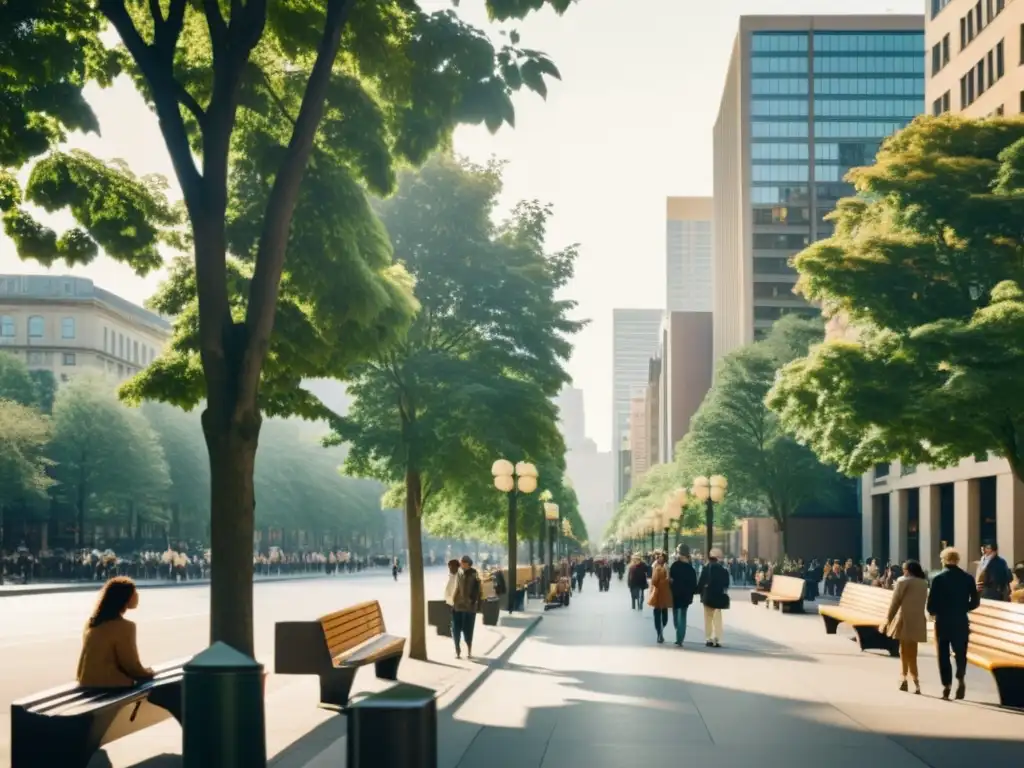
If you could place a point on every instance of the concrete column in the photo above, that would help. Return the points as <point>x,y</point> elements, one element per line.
<point>867,517</point>
<point>967,523</point>
<point>928,526</point>
<point>897,526</point>
<point>1010,518</point>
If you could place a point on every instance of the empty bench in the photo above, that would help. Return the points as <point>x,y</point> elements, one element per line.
<point>997,645</point>
<point>785,593</point>
<point>864,609</point>
<point>64,727</point>
<point>333,648</point>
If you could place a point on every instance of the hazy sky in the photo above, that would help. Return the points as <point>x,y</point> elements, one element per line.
<point>629,125</point>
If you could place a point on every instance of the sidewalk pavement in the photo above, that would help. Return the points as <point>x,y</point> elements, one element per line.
<point>57,587</point>
<point>301,735</point>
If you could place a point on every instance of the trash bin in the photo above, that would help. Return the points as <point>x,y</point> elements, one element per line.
<point>439,615</point>
<point>521,599</point>
<point>222,714</point>
<point>491,608</point>
<point>396,728</point>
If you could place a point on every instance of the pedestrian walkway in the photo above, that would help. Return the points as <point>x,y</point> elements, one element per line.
<point>588,687</point>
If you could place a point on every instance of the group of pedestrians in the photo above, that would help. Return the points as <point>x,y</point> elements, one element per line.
<point>463,593</point>
<point>673,588</point>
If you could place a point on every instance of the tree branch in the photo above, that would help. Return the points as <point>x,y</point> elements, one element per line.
<point>266,280</point>
<point>216,25</point>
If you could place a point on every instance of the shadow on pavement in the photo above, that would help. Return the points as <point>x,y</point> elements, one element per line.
<point>603,719</point>
<point>159,761</point>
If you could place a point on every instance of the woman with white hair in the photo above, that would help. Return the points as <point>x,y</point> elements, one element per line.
<point>713,587</point>
<point>952,596</point>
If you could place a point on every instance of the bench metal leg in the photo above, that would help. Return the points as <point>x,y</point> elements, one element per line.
<point>39,742</point>
<point>797,606</point>
<point>335,686</point>
<point>871,639</point>
<point>1010,682</point>
<point>387,669</point>
<point>831,624</point>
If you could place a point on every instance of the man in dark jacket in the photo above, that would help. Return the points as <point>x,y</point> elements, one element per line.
<point>683,580</point>
<point>952,596</point>
<point>994,575</point>
<point>713,586</point>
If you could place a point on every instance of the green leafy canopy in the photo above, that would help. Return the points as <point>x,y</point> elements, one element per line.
<point>926,265</point>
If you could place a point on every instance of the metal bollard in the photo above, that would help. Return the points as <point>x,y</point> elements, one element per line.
<point>222,718</point>
<point>396,728</point>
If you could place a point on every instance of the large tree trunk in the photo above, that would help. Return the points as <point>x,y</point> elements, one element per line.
<point>417,596</point>
<point>232,449</point>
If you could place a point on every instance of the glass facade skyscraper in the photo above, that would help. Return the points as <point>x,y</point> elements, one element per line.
<point>805,100</point>
<point>820,104</point>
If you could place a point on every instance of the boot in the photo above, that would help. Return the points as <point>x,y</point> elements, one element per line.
<point>961,689</point>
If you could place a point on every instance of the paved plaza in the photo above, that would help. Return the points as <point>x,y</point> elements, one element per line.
<point>588,686</point>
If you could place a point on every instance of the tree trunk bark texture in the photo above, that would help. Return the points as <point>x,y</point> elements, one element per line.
<point>417,595</point>
<point>232,449</point>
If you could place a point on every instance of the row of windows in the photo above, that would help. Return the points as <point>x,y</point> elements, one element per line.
<point>779,194</point>
<point>908,108</point>
<point>869,86</point>
<point>771,266</point>
<point>848,153</point>
<point>779,86</point>
<point>938,5</point>
<point>979,17</point>
<point>36,327</point>
<point>782,214</point>
<point>838,42</point>
<point>780,151</point>
<point>772,242</point>
<point>774,313</point>
<point>772,65</point>
<point>862,65</point>
<point>765,130</point>
<point>779,107</point>
<point>852,129</point>
<point>773,291</point>
<point>941,104</point>
<point>46,358</point>
<point>989,69</point>
<point>127,349</point>
<point>940,55</point>
<point>876,42</point>
<point>780,173</point>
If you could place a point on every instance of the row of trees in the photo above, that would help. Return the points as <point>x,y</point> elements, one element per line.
<point>926,268</point>
<point>278,118</point>
<point>734,433</point>
<point>89,462</point>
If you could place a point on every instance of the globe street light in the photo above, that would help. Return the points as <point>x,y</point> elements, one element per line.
<point>672,511</point>
<point>513,480</point>
<point>710,491</point>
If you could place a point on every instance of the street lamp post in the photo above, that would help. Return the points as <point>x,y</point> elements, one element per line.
<point>513,480</point>
<point>551,517</point>
<point>710,491</point>
<point>672,512</point>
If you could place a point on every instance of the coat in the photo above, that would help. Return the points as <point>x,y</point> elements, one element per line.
<point>110,656</point>
<point>467,591</point>
<point>684,583</point>
<point>713,586</point>
<point>953,595</point>
<point>661,593</point>
<point>638,576</point>
<point>906,620</point>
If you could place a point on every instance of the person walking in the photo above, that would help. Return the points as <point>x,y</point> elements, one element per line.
<point>713,586</point>
<point>683,580</point>
<point>994,575</point>
<point>952,596</point>
<point>906,621</point>
<point>465,604</point>
<point>661,595</point>
<point>637,583</point>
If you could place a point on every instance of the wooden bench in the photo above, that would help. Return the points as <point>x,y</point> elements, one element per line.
<point>66,726</point>
<point>333,648</point>
<point>997,645</point>
<point>786,593</point>
<point>864,608</point>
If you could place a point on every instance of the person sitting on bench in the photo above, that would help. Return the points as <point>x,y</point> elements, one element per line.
<point>110,654</point>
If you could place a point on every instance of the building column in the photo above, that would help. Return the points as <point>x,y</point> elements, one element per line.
<point>967,522</point>
<point>867,517</point>
<point>897,526</point>
<point>1010,518</point>
<point>928,527</point>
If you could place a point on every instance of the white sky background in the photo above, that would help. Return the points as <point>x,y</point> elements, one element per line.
<point>629,125</point>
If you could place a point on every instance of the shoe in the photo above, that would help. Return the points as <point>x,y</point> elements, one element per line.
<point>709,644</point>
<point>917,687</point>
<point>661,639</point>
<point>717,644</point>
<point>945,693</point>
<point>458,654</point>
<point>679,643</point>
<point>961,689</point>
<point>904,686</point>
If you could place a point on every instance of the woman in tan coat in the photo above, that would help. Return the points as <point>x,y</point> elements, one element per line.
<point>661,595</point>
<point>907,621</point>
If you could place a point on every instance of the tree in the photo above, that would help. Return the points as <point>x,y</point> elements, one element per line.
<point>474,379</point>
<point>105,455</point>
<point>16,382</point>
<point>926,265</point>
<point>735,434</point>
<point>276,117</point>
<point>24,435</point>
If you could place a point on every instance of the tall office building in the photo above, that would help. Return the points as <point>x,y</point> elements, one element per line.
<point>688,254</point>
<point>572,418</point>
<point>974,49</point>
<point>636,335</point>
<point>805,99</point>
<point>973,54</point>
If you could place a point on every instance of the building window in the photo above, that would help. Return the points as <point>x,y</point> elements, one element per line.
<point>7,327</point>
<point>36,327</point>
<point>152,354</point>
<point>69,358</point>
<point>945,50</point>
<point>936,58</point>
<point>106,334</point>
<point>67,328</point>
<point>135,352</point>
<point>36,358</point>
<point>938,5</point>
<point>1000,60</point>
<point>120,345</point>
<point>945,102</point>
<point>980,70</point>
